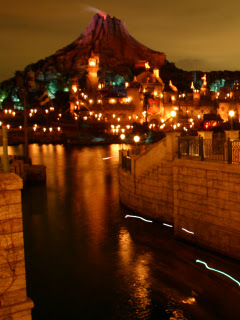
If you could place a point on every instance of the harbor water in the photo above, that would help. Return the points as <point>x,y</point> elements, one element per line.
<point>86,260</point>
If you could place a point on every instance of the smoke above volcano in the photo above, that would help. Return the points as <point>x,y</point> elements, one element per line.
<point>92,9</point>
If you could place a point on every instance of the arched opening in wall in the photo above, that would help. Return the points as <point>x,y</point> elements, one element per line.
<point>154,124</point>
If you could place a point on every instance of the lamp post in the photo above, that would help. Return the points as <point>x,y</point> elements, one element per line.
<point>231,115</point>
<point>136,140</point>
<point>5,149</point>
<point>145,107</point>
<point>173,115</point>
<point>25,127</point>
<point>122,137</point>
<point>20,82</point>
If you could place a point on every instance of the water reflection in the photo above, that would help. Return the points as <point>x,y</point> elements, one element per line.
<point>125,247</point>
<point>136,274</point>
<point>85,260</point>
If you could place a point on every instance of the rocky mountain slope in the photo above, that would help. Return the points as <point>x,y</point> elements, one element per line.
<point>108,37</point>
<point>118,52</point>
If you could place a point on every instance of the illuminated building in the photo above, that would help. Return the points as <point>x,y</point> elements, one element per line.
<point>148,99</point>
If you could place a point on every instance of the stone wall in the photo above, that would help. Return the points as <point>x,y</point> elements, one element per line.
<point>152,156</point>
<point>201,198</point>
<point>148,189</point>
<point>207,202</point>
<point>14,303</point>
<point>150,194</point>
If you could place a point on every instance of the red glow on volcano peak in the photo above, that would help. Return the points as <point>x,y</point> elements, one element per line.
<point>103,14</point>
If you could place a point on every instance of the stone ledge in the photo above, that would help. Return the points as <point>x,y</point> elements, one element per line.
<point>15,308</point>
<point>210,165</point>
<point>10,197</point>
<point>10,181</point>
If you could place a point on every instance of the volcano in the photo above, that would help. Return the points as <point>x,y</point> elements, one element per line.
<point>108,37</point>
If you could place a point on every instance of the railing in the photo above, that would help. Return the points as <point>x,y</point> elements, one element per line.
<point>210,149</point>
<point>137,149</point>
<point>215,149</point>
<point>188,146</point>
<point>126,163</point>
<point>235,147</point>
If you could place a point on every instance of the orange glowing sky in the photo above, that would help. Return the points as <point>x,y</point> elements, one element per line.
<point>201,35</point>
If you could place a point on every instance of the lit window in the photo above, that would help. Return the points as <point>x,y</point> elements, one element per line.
<point>92,62</point>
<point>74,88</point>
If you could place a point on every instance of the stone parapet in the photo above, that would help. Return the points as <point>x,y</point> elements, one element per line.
<point>14,303</point>
<point>205,134</point>
<point>151,156</point>
<point>232,134</point>
<point>150,194</point>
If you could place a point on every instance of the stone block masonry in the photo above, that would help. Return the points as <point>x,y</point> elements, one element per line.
<point>207,202</point>
<point>149,188</point>
<point>14,303</point>
<point>146,198</point>
<point>200,198</point>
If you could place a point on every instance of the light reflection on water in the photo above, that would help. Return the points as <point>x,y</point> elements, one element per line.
<point>83,255</point>
<point>139,276</point>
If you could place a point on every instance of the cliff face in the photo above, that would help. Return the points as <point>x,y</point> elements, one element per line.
<point>108,37</point>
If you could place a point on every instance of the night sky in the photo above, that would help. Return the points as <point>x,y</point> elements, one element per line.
<point>195,35</point>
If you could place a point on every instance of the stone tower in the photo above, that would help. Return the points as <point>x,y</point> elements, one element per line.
<point>92,78</point>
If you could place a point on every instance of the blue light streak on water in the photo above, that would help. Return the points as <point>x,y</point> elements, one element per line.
<point>225,274</point>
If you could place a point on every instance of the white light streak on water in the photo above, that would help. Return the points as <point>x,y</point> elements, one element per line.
<point>168,225</point>
<point>130,216</point>
<point>225,274</point>
<point>187,231</point>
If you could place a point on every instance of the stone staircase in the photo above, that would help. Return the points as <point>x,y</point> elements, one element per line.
<point>151,193</point>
